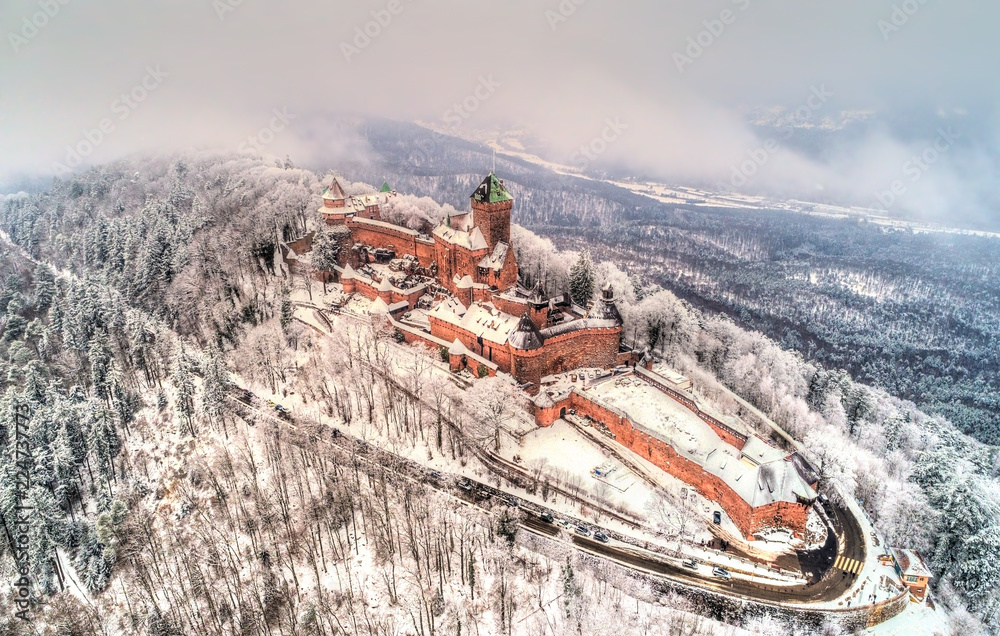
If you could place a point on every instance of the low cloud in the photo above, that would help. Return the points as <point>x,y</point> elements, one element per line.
<point>230,68</point>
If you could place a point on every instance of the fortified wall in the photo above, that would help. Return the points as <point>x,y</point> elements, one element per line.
<point>652,447</point>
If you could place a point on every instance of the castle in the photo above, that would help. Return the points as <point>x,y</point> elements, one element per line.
<point>456,290</point>
<point>459,286</point>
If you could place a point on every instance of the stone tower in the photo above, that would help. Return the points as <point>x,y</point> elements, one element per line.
<point>491,205</point>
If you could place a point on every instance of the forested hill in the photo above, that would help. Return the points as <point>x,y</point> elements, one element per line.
<point>189,241</point>
<point>131,290</point>
<point>915,313</point>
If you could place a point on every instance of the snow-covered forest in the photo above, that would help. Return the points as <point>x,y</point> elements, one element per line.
<point>129,291</point>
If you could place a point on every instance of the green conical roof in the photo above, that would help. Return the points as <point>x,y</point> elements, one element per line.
<point>491,190</point>
<point>385,187</point>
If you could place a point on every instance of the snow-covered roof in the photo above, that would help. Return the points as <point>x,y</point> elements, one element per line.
<point>378,306</point>
<point>348,273</point>
<point>760,451</point>
<point>576,325</point>
<point>911,564</point>
<point>491,190</point>
<point>527,336</point>
<point>483,321</point>
<point>604,307</point>
<point>461,221</point>
<point>672,376</point>
<point>473,240</point>
<point>495,260</point>
<point>336,211</point>
<point>448,308</point>
<point>334,191</point>
<point>388,226</point>
<point>385,285</point>
<point>772,478</point>
<point>457,348</point>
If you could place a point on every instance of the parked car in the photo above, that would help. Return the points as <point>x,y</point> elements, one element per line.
<point>583,531</point>
<point>722,573</point>
<point>335,433</point>
<point>465,484</point>
<point>600,536</point>
<point>564,524</point>
<point>435,475</point>
<point>717,517</point>
<point>483,495</point>
<point>546,517</point>
<point>691,564</point>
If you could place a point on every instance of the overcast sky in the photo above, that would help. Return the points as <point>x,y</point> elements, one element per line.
<point>217,73</point>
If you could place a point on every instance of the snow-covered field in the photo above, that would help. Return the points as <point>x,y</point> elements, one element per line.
<point>916,620</point>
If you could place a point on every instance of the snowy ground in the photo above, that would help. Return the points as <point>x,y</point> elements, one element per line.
<point>916,620</point>
<point>564,456</point>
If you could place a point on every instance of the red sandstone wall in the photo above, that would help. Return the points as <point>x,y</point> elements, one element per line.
<point>661,454</point>
<point>584,348</point>
<point>498,354</point>
<point>424,252</point>
<point>512,307</point>
<point>365,289</point>
<point>399,241</point>
<point>303,244</point>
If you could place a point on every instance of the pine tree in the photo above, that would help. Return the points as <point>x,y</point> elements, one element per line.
<point>581,279</point>
<point>286,309</point>
<point>45,287</point>
<point>213,396</point>
<point>184,383</point>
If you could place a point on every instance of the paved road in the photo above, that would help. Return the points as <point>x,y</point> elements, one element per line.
<point>828,587</point>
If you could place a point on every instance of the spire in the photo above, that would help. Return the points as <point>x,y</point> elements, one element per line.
<point>604,308</point>
<point>491,190</point>
<point>537,293</point>
<point>526,336</point>
<point>335,190</point>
